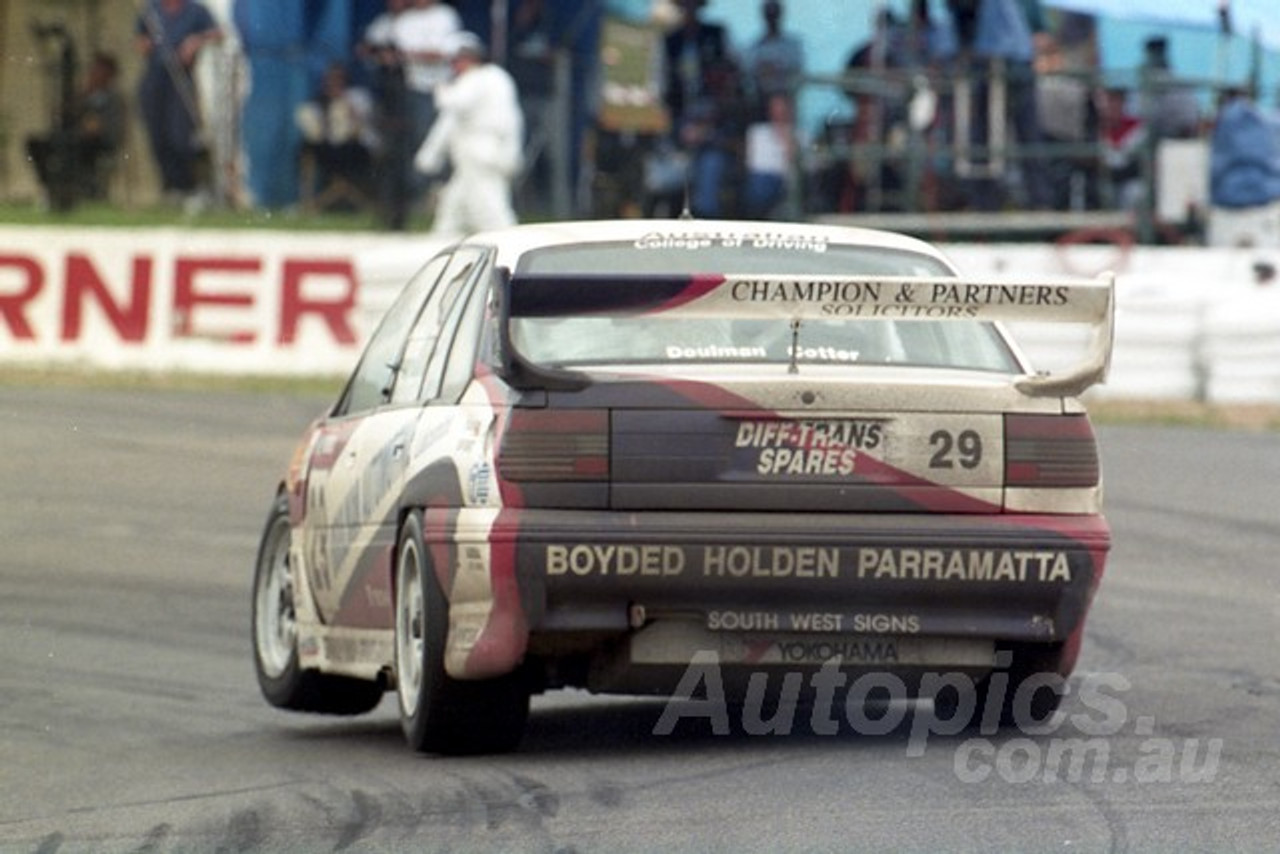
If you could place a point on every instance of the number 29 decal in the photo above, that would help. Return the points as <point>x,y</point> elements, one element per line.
<point>951,449</point>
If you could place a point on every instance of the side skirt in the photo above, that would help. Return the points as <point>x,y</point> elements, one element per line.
<point>359,653</point>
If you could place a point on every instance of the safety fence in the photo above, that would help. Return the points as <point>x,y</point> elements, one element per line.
<point>1191,324</point>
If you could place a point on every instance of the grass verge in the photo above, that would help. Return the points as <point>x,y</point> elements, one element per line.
<point>1257,417</point>
<point>1252,417</point>
<point>99,214</point>
<point>72,377</point>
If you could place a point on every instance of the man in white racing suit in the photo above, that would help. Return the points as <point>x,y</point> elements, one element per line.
<point>480,128</point>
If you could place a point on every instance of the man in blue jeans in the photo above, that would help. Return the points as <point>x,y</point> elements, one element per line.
<point>170,35</point>
<point>1001,37</point>
<point>704,97</point>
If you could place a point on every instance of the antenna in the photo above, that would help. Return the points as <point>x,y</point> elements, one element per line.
<point>686,212</point>
<point>794,367</point>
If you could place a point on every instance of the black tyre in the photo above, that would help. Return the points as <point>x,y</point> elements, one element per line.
<point>275,639</point>
<point>440,714</point>
<point>1025,692</point>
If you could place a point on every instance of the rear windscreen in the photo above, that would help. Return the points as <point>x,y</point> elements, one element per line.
<point>617,339</point>
<point>795,256</point>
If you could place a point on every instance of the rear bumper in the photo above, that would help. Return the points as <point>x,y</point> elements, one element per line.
<point>999,577</point>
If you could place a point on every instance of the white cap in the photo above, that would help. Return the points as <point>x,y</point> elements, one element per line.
<point>466,42</point>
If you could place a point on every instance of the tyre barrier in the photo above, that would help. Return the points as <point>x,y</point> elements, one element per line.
<point>1242,349</point>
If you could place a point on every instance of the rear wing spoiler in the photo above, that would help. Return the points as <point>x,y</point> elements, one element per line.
<point>796,298</point>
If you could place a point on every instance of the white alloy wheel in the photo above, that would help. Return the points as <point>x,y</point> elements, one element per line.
<point>276,637</point>
<point>276,633</point>
<point>411,627</point>
<point>440,714</point>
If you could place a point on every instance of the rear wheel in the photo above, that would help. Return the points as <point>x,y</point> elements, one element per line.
<point>1024,691</point>
<point>275,636</point>
<point>438,713</point>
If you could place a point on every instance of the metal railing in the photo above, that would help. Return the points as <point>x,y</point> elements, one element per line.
<point>896,158</point>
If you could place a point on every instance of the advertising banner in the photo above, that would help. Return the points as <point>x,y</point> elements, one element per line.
<point>239,302</point>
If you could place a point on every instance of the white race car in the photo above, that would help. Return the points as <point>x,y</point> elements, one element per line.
<point>582,454</point>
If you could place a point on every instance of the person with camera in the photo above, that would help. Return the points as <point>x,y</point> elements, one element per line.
<point>73,159</point>
<point>170,36</point>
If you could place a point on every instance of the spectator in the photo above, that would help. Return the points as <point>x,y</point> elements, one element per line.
<point>1169,109</point>
<point>704,99</point>
<point>878,118</point>
<point>479,129</point>
<point>378,49</point>
<point>1002,37</point>
<point>892,100</point>
<point>931,45</point>
<point>1244,176</point>
<point>533,45</point>
<point>421,36</point>
<point>75,158</point>
<point>170,36</point>
<point>380,35</point>
<point>1124,137</point>
<point>770,155</point>
<point>338,132</point>
<point>887,47</point>
<point>1068,121</point>
<point>775,63</point>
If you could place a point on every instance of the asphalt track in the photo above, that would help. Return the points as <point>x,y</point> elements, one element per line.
<point>130,720</point>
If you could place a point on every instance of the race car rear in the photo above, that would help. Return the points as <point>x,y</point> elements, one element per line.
<point>779,474</point>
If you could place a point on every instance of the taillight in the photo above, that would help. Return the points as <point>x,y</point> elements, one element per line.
<point>555,445</point>
<point>1046,451</point>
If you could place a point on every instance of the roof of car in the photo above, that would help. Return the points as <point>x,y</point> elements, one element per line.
<point>515,241</point>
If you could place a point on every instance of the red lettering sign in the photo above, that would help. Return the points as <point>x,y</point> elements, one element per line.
<point>12,305</point>
<point>187,297</point>
<point>336,313</point>
<point>129,320</point>
<point>84,297</point>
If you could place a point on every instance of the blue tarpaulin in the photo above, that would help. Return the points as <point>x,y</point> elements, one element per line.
<point>1246,16</point>
<point>288,45</point>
